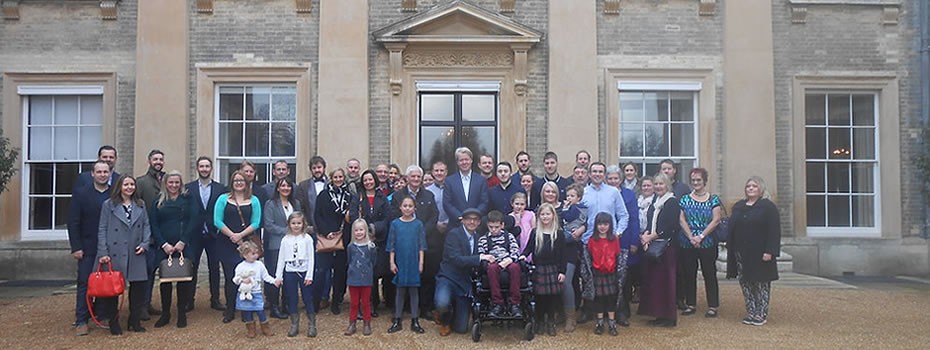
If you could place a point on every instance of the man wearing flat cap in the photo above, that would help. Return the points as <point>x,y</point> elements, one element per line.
<point>453,282</point>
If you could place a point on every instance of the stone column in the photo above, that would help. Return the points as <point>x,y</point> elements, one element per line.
<point>162,85</point>
<point>343,81</point>
<point>572,80</point>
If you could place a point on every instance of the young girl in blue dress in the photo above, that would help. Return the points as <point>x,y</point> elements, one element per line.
<point>406,244</point>
<point>255,273</point>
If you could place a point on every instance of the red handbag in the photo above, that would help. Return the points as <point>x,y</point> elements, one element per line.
<point>105,284</point>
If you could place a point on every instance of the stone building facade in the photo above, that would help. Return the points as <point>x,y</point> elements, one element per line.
<point>822,98</point>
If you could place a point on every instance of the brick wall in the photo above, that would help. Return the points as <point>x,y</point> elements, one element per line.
<point>64,37</point>
<point>838,39</point>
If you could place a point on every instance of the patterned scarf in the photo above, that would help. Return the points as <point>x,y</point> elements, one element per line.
<point>340,197</point>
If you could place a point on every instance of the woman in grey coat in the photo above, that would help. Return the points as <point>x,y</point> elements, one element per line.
<point>274,221</point>
<point>122,236</point>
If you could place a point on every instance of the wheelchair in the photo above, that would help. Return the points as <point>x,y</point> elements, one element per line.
<point>481,302</point>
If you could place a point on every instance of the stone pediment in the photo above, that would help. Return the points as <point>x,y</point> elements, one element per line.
<point>457,21</point>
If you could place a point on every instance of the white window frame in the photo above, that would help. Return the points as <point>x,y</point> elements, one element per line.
<point>269,160</point>
<point>692,86</point>
<point>25,92</point>
<point>454,87</point>
<point>874,231</point>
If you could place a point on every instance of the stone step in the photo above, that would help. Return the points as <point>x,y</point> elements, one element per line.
<point>785,261</point>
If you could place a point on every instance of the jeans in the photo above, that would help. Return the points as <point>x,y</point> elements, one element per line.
<point>84,267</point>
<point>568,288</point>
<point>208,244</point>
<point>335,262</point>
<point>272,293</point>
<point>448,293</point>
<point>247,316</point>
<point>294,281</point>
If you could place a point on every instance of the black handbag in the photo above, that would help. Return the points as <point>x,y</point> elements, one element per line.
<point>722,232</point>
<point>657,248</point>
<point>175,270</point>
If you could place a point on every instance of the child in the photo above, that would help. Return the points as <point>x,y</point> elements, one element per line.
<point>362,255</point>
<point>547,247</point>
<point>574,214</point>
<point>503,247</point>
<point>295,270</point>
<point>251,265</point>
<point>604,247</point>
<point>526,220</point>
<point>406,244</point>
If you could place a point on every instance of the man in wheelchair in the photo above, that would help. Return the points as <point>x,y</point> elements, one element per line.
<point>505,252</point>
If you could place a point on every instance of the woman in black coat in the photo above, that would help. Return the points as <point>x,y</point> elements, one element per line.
<point>335,211</point>
<point>753,246</point>
<point>374,208</point>
<point>659,281</point>
<point>171,216</point>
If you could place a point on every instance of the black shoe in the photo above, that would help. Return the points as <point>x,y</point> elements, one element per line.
<point>550,329</point>
<point>276,313</point>
<point>623,321</point>
<point>136,328</point>
<point>665,323</point>
<point>216,305</point>
<point>189,307</point>
<point>163,320</point>
<point>584,317</point>
<point>154,311</point>
<point>374,313</point>
<point>396,326</point>
<point>228,316</point>
<point>599,326</point>
<point>415,326</point>
<point>334,307</point>
<point>612,328</point>
<point>496,311</point>
<point>689,310</point>
<point>515,311</point>
<point>182,320</point>
<point>681,305</point>
<point>115,329</point>
<point>144,315</point>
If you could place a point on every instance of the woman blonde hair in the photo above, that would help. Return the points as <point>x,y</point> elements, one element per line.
<point>163,194</point>
<point>762,187</point>
<point>552,228</point>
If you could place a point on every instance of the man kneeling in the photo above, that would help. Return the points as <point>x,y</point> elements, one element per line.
<point>505,250</point>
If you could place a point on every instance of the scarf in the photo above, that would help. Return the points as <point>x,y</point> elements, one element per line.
<point>659,203</point>
<point>339,195</point>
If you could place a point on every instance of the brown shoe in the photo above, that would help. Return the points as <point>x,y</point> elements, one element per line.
<point>250,330</point>
<point>266,329</point>
<point>81,330</point>
<point>569,321</point>
<point>445,330</point>
<point>351,329</point>
<point>366,327</point>
<point>437,318</point>
<point>324,304</point>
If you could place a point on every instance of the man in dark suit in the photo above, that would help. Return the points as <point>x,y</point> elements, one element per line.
<point>453,283</point>
<point>308,189</point>
<point>464,189</point>
<point>83,220</point>
<point>205,191</point>
<point>280,171</point>
<point>428,213</point>
<point>107,154</point>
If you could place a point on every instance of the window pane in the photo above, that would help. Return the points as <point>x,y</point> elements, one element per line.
<point>840,145</point>
<point>437,107</point>
<point>40,143</point>
<point>863,109</point>
<point>838,211</point>
<point>479,139</point>
<point>656,106</point>
<point>40,110</point>
<point>838,177</point>
<point>91,110</point>
<point>863,210</point>
<point>230,103</point>
<point>66,110</point>
<point>816,143</point>
<point>838,109</point>
<point>816,215</point>
<point>631,106</point>
<point>815,177</point>
<point>62,206</point>
<point>863,178</point>
<point>257,103</point>
<point>256,140</point>
<point>814,109</point>
<point>91,139</point>
<point>682,140</point>
<point>478,107</point>
<point>656,140</point>
<point>40,179</point>
<point>65,175</point>
<point>230,142</point>
<point>864,143</point>
<point>284,103</point>
<point>437,143</point>
<point>40,213</point>
<point>283,138</point>
<point>66,142</point>
<point>631,139</point>
<point>682,106</point>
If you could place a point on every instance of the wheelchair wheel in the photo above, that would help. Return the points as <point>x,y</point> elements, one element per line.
<point>528,331</point>
<point>476,332</point>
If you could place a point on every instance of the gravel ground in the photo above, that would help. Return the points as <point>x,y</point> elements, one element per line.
<point>800,318</point>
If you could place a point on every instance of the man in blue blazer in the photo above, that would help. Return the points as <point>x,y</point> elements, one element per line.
<point>453,282</point>
<point>205,191</point>
<point>107,154</point>
<point>464,189</point>
<point>83,222</point>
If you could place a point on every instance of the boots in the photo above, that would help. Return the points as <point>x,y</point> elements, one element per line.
<point>250,329</point>
<point>569,321</point>
<point>266,329</point>
<point>115,329</point>
<point>276,312</point>
<point>599,326</point>
<point>311,325</point>
<point>163,320</point>
<point>295,325</point>
<point>612,327</point>
<point>396,326</point>
<point>415,326</point>
<point>541,323</point>
<point>351,329</point>
<point>366,327</point>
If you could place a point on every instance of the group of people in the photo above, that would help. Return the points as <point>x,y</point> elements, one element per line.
<point>600,240</point>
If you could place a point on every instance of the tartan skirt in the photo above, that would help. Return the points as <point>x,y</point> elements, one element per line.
<point>546,280</point>
<point>605,284</point>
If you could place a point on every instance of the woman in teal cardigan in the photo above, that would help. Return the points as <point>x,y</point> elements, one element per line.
<point>237,215</point>
<point>171,216</point>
